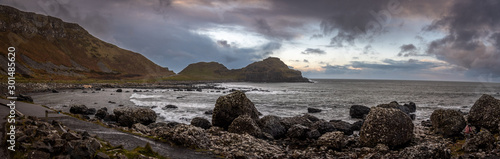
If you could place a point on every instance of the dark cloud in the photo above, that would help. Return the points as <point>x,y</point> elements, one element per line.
<point>408,50</point>
<point>313,51</point>
<point>306,61</point>
<point>368,49</point>
<point>468,26</point>
<point>223,43</point>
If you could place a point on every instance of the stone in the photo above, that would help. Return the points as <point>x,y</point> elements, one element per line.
<point>411,106</point>
<point>128,116</point>
<point>185,135</point>
<point>311,117</point>
<point>169,106</point>
<point>297,131</point>
<point>342,126</point>
<point>90,111</point>
<point>209,112</point>
<point>334,140</point>
<point>141,128</point>
<point>70,136</point>
<point>55,91</point>
<point>229,107</point>
<point>485,113</point>
<point>358,111</point>
<point>119,90</point>
<point>356,126</point>
<point>245,124</point>
<point>271,124</point>
<point>313,134</point>
<point>386,126</point>
<point>447,122</point>
<point>102,113</point>
<point>323,126</point>
<point>483,140</point>
<point>201,122</point>
<point>426,149</point>
<point>84,148</point>
<point>78,109</point>
<point>313,110</point>
<point>290,121</point>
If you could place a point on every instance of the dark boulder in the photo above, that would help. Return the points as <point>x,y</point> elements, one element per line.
<point>311,117</point>
<point>55,91</point>
<point>201,122</point>
<point>313,134</point>
<point>297,131</point>
<point>78,109</point>
<point>102,113</point>
<point>229,107</point>
<point>356,126</point>
<point>313,110</point>
<point>127,116</point>
<point>411,106</point>
<point>26,98</point>
<point>271,124</point>
<point>209,112</point>
<point>323,126</point>
<point>290,121</point>
<point>169,106</point>
<point>387,126</point>
<point>447,122</point>
<point>358,111</point>
<point>245,124</point>
<point>90,111</point>
<point>483,140</point>
<point>119,90</point>
<point>342,126</point>
<point>485,113</point>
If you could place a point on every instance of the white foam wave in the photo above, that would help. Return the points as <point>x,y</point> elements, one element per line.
<point>142,96</point>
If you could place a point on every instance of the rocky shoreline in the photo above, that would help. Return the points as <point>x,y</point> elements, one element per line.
<point>237,130</point>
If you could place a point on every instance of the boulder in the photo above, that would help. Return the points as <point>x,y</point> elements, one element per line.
<point>387,126</point>
<point>101,113</point>
<point>358,111</point>
<point>141,128</point>
<point>90,111</point>
<point>447,122</point>
<point>323,126</point>
<point>119,90</point>
<point>209,112</point>
<point>290,121</point>
<point>483,140</point>
<point>127,116</point>
<point>313,110</point>
<point>356,126</point>
<point>297,131</point>
<point>78,109</point>
<point>271,124</point>
<point>334,140</point>
<point>84,148</point>
<point>170,106</point>
<point>342,126</point>
<point>201,122</point>
<point>485,113</point>
<point>311,117</point>
<point>229,107</point>
<point>185,135</point>
<point>411,106</point>
<point>245,124</point>
<point>313,134</point>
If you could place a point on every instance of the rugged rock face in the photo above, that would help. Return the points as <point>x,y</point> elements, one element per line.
<point>271,70</point>
<point>358,111</point>
<point>485,113</point>
<point>334,140</point>
<point>201,122</point>
<point>127,116</point>
<point>271,124</point>
<point>229,107</point>
<point>53,48</point>
<point>244,124</point>
<point>447,122</point>
<point>386,126</point>
<point>483,140</point>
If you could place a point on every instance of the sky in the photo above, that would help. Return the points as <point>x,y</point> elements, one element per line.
<point>341,39</point>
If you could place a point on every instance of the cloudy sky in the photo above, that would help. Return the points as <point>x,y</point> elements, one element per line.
<point>363,39</point>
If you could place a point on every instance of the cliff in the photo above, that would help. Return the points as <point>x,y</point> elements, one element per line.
<point>48,48</point>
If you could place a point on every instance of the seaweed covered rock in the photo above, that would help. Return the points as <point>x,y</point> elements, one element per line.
<point>485,113</point>
<point>229,107</point>
<point>128,116</point>
<point>447,122</point>
<point>387,126</point>
<point>201,122</point>
<point>483,140</point>
<point>334,140</point>
<point>244,124</point>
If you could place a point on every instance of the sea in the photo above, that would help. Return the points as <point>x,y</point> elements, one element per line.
<point>333,96</point>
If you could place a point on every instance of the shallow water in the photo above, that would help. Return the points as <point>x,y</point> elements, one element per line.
<point>334,97</point>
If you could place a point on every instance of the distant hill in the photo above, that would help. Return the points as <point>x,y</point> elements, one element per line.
<point>271,69</point>
<point>48,48</point>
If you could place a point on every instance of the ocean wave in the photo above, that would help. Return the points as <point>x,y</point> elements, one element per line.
<point>142,96</point>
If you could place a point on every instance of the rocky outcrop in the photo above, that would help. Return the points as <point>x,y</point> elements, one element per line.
<point>387,126</point>
<point>229,107</point>
<point>244,124</point>
<point>271,124</point>
<point>81,109</point>
<point>358,111</point>
<point>483,140</point>
<point>127,116</point>
<point>290,121</point>
<point>342,126</point>
<point>485,113</point>
<point>201,122</point>
<point>447,122</point>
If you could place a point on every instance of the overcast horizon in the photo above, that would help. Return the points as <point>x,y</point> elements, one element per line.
<point>387,39</point>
